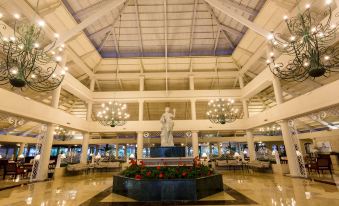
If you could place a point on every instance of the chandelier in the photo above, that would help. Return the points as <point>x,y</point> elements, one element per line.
<point>25,62</point>
<point>221,111</point>
<point>273,130</point>
<point>309,42</point>
<point>113,114</point>
<point>62,134</point>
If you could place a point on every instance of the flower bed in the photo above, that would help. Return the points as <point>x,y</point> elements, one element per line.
<point>140,171</point>
<point>167,183</point>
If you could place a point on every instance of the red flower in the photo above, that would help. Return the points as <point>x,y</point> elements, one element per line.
<point>148,173</point>
<point>132,162</point>
<point>138,177</point>
<point>161,175</point>
<point>180,163</point>
<point>184,174</point>
<point>142,162</point>
<point>158,167</point>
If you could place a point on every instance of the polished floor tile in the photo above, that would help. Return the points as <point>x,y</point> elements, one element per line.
<point>264,189</point>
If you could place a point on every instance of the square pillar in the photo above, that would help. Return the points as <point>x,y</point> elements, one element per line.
<point>250,145</point>
<point>191,82</point>
<point>141,83</point>
<point>291,152</point>
<point>84,149</point>
<point>45,153</point>
<point>141,110</point>
<point>193,109</point>
<point>195,143</point>
<point>140,145</point>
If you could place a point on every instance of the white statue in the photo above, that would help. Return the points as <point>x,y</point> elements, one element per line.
<point>167,128</point>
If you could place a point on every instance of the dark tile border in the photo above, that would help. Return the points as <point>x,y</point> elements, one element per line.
<point>239,199</point>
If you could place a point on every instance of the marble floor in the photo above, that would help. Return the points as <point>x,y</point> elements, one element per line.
<point>241,189</point>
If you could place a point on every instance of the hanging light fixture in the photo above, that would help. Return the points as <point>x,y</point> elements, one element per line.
<point>310,44</point>
<point>62,134</point>
<point>113,114</point>
<point>26,63</point>
<point>273,130</point>
<point>221,111</point>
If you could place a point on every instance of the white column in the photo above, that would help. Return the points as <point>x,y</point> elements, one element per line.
<point>291,152</point>
<point>46,146</point>
<point>195,143</point>
<point>249,134</point>
<point>241,81</point>
<point>191,82</point>
<point>92,84</point>
<point>84,148</point>
<point>21,149</point>
<point>142,83</point>
<point>85,136</point>
<point>45,153</point>
<point>89,111</point>
<point>193,109</point>
<point>277,90</point>
<point>140,144</point>
<point>56,97</point>
<point>250,145</point>
<point>292,158</point>
<point>141,110</point>
<point>117,151</point>
<point>219,149</point>
<point>245,108</point>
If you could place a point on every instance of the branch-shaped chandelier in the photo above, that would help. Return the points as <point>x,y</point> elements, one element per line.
<point>113,114</point>
<point>221,111</point>
<point>63,134</point>
<point>26,63</point>
<point>310,42</point>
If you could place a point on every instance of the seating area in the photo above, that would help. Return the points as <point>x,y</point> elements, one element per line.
<point>233,164</point>
<point>319,165</point>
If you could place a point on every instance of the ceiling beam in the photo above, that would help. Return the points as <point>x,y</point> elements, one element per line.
<point>229,12</point>
<point>157,75</point>
<point>78,61</point>
<point>241,7</point>
<point>224,29</point>
<point>193,25</point>
<point>139,27</point>
<point>166,44</point>
<point>96,15</point>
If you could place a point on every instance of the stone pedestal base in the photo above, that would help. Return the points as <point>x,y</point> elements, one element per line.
<point>280,169</point>
<point>167,152</point>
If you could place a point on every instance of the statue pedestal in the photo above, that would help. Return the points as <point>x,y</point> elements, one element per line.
<point>168,161</point>
<point>167,152</point>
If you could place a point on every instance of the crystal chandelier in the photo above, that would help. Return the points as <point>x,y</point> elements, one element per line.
<point>309,42</point>
<point>221,111</point>
<point>62,134</point>
<point>113,114</point>
<point>25,62</point>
